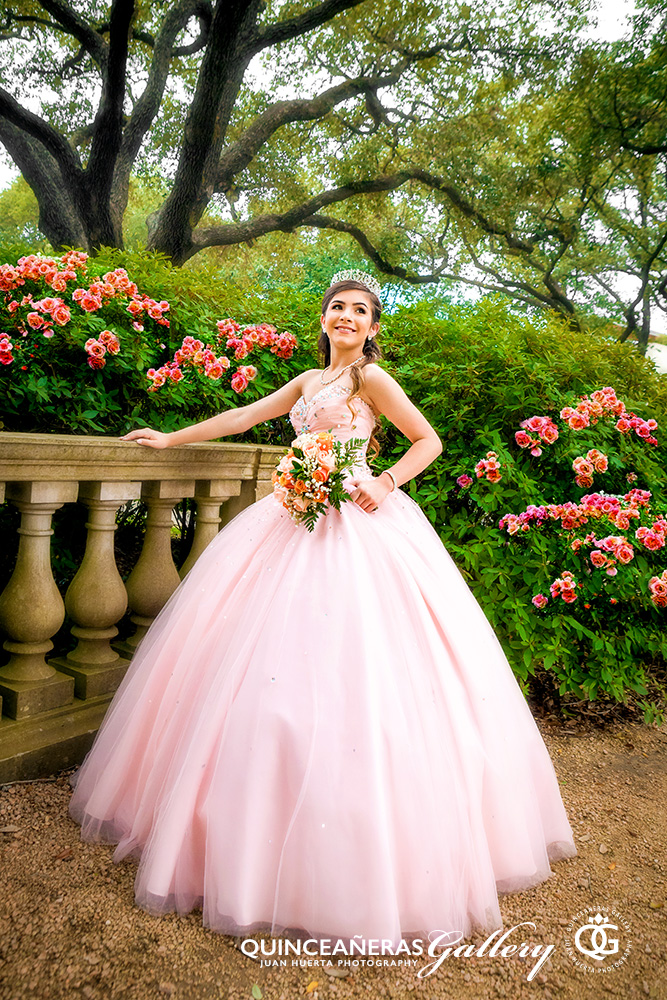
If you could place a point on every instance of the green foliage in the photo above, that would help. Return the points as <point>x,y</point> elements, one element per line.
<point>19,213</point>
<point>477,372</point>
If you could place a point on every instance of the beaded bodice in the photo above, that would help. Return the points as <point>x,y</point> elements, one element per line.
<point>328,410</point>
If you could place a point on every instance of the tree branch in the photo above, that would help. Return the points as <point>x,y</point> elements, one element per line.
<point>75,25</point>
<point>467,208</point>
<point>292,27</point>
<point>239,154</point>
<point>203,11</point>
<point>373,254</point>
<point>108,127</point>
<point>228,234</point>
<point>58,218</point>
<point>148,105</point>
<point>51,139</point>
<point>440,274</point>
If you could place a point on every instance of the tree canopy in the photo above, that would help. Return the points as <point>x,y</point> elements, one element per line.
<point>497,148</point>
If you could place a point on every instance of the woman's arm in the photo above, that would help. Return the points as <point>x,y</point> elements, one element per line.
<point>388,398</point>
<point>234,421</point>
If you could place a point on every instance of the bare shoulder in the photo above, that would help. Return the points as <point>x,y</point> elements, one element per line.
<point>380,385</point>
<point>388,397</point>
<point>308,380</point>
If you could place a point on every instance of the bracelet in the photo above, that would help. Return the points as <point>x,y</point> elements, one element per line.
<point>392,477</point>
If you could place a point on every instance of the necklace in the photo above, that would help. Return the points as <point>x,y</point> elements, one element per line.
<point>351,364</point>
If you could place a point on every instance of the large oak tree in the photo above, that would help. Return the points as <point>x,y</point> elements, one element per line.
<point>170,80</point>
<point>492,148</point>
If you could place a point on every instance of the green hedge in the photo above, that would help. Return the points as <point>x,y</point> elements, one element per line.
<point>477,372</point>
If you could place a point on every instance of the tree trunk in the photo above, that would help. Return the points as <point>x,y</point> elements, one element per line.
<point>223,64</point>
<point>646,322</point>
<point>58,218</point>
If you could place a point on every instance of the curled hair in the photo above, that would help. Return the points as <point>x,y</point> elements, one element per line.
<point>371,348</point>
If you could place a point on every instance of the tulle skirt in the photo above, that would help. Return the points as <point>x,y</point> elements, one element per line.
<point>320,732</point>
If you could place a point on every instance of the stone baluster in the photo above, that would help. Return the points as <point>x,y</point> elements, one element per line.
<point>236,504</point>
<point>155,577</point>
<point>31,608</point>
<point>209,494</point>
<point>266,461</point>
<point>96,598</point>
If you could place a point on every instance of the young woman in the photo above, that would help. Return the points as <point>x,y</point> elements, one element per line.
<point>320,732</point>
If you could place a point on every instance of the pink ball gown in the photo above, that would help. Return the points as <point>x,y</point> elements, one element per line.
<point>320,732</point>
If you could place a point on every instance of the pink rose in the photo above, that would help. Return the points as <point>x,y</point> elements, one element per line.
<point>653,541</point>
<point>625,553</point>
<point>61,315</point>
<point>90,302</point>
<point>301,503</point>
<point>464,481</point>
<point>239,382</point>
<point>540,600</point>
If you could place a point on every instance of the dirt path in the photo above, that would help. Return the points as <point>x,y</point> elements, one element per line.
<point>69,927</point>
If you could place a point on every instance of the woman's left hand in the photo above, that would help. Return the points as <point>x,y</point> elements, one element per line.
<point>369,493</point>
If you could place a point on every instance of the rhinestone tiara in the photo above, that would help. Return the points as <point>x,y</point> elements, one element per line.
<point>365,279</point>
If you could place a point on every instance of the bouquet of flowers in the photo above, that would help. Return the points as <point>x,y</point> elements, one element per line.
<point>312,474</point>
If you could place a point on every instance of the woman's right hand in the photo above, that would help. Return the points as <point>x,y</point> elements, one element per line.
<point>148,437</point>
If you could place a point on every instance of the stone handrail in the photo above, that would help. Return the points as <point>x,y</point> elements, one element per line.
<point>52,707</point>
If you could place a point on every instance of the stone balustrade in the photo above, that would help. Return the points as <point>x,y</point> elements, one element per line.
<point>53,706</point>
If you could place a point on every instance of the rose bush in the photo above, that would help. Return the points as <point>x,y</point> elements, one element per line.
<point>84,348</point>
<point>549,493</point>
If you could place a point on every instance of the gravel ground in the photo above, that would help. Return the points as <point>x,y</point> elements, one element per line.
<point>69,927</point>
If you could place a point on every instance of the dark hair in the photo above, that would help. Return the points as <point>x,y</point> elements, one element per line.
<point>371,349</point>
